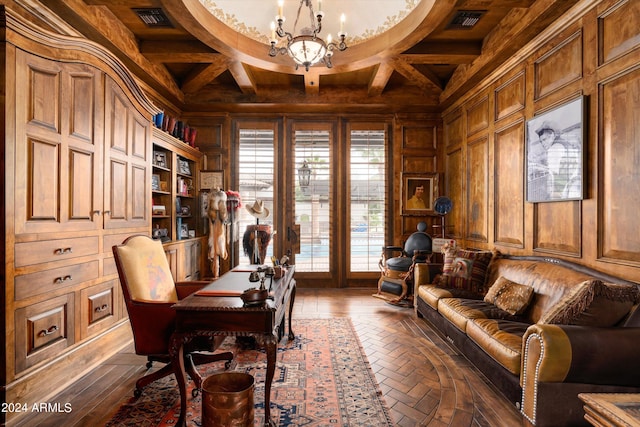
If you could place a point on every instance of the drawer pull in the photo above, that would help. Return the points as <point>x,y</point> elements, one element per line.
<point>59,280</point>
<point>102,308</point>
<point>51,330</point>
<point>63,251</point>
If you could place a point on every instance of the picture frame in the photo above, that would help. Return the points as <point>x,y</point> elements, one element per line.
<point>210,179</point>
<point>155,182</point>
<point>184,231</point>
<point>419,191</point>
<point>555,153</point>
<point>160,159</point>
<point>183,167</point>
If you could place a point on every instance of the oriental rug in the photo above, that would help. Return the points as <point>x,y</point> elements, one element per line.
<point>322,379</point>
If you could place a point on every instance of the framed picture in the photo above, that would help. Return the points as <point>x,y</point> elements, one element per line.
<point>211,179</point>
<point>419,191</point>
<point>155,182</point>
<point>555,154</point>
<point>183,167</point>
<point>204,203</point>
<point>184,231</point>
<point>160,159</point>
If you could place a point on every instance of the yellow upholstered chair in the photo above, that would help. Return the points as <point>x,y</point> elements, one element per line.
<point>149,293</point>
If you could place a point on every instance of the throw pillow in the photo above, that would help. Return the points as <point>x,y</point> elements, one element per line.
<point>464,269</point>
<point>509,296</point>
<point>593,303</point>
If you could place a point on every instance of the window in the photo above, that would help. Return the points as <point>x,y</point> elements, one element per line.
<point>367,198</point>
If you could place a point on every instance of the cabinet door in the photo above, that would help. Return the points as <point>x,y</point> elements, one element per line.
<point>127,201</point>
<point>57,171</point>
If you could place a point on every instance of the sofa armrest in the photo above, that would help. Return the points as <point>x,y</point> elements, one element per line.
<point>577,354</point>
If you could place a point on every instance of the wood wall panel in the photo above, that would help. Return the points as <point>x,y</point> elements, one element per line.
<point>478,116</point>
<point>619,197</point>
<point>618,30</point>
<point>418,138</point>
<point>453,130</point>
<point>419,164</point>
<point>509,185</point>
<point>44,95</point>
<point>454,186</point>
<point>562,236</point>
<point>477,190</point>
<point>559,67</point>
<point>510,97</point>
<point>81,104</point>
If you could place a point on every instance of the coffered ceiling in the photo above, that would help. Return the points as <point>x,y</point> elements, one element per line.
<point>402,55</point>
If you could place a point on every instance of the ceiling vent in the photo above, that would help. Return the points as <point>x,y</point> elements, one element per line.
<point>465,19</point>
<point>153,17</point>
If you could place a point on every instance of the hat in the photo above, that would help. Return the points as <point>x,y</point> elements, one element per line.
<point>546,125</point>
<point>258,210</point>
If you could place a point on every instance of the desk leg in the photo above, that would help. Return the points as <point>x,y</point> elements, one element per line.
<point>291,301</point>
<point>176,351</point>
<point>270,344</point>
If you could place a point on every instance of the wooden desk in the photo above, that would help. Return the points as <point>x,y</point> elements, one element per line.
<point>210,316</point>
<point>612,409</point>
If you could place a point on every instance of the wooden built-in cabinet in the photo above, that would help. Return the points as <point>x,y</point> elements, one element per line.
<point>77,180</point>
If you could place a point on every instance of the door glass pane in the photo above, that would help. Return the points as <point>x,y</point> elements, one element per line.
<point>367,198</point>
<point>256,160</point>
<point>312,199</point>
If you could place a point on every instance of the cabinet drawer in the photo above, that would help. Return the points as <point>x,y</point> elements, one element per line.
<point>30,253</point>
<point>43,330</point>
<point>49,280</point>
<point>100,305</point>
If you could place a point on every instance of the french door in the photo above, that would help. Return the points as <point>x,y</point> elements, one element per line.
<point>326,196</point>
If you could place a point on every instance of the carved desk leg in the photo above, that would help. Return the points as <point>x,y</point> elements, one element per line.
<point>291,301</point>
<point>176,351</point>
<point>270,344</point>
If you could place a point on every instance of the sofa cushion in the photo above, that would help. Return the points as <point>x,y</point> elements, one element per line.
<point>460,310</point>
<point>500,339</point>
<point>431,294</point>
<point>464,269</point>
<point>593,303</point>
<point>509,296</point>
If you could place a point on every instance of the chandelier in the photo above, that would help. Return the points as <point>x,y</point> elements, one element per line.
<point>307,48</point>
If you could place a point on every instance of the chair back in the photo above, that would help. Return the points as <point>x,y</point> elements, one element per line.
<point>418,241</point>
<point>149,293</point>
<point>144,270</point>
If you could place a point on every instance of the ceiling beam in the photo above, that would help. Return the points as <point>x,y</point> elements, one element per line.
<point>380,78</point>
<point>312,82</point>
<point>167,51</point>
<point>242,77</point>
<point>202,76</point>
<point>416,77</point>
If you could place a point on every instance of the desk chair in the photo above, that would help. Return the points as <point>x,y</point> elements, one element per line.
<point>149,293</point>
<point>396,281</point>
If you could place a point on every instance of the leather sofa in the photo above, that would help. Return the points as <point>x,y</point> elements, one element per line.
<point>579,332</point>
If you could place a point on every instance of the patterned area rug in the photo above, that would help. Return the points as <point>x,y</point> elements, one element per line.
<point>322,379</point>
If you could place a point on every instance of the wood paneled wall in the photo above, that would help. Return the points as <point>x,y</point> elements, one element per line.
<point>593,53</point>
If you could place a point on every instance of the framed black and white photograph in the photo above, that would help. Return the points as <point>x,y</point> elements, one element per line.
<point>160,159</point>
<point>419,191</point>
<point>184,231</point>
<point>183,167</point>
<point>155,182</point>
<point>555,154</point>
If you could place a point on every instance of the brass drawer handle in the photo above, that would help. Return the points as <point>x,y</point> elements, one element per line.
<point>51,330</point>
<point>59,280</point>
<point>63,251</point>
<point>102,308</point>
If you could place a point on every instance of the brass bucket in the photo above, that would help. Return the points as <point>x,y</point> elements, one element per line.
<point>227,400</point>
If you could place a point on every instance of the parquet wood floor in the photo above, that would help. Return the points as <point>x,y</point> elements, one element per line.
<point>425,381</point>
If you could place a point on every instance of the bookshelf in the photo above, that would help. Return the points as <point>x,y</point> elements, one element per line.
<point>175,168</point>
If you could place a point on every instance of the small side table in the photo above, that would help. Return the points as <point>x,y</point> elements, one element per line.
<point>612,409</point>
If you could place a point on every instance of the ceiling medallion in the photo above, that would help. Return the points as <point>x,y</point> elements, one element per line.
<point>306,48</point>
